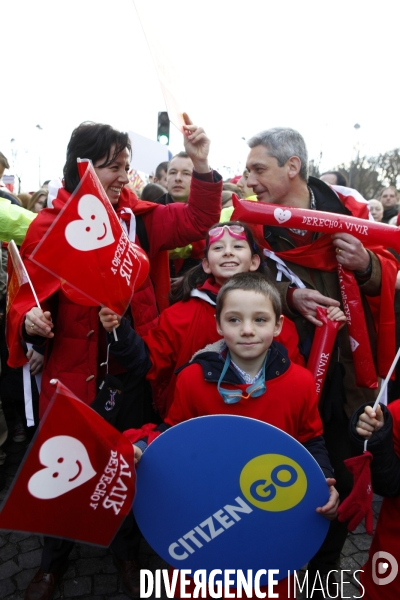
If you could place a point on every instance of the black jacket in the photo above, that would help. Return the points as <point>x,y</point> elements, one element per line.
<point>385,466</point>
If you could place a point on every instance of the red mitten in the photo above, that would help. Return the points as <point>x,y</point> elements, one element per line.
<point>134,435</point>
<point>359,503</point>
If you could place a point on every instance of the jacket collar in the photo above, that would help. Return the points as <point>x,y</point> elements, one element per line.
<point>165,199</point>
<point>390,212</point>
<point>326,197</point>
<point>212,363</point>
<point>208,291</point>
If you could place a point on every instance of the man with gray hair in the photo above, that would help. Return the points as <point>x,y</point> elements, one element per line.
<point>278,174</point>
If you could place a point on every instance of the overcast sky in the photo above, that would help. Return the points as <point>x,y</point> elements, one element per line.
<point>317,66</point>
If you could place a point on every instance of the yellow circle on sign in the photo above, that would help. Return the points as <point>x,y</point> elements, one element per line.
<point>273,482</point>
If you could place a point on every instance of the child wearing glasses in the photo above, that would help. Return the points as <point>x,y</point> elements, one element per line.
<point>189,324</point>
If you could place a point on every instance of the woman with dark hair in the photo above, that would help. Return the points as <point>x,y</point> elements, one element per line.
<point>101,143</point>
<point>156,228</point>
<point>75,347</point>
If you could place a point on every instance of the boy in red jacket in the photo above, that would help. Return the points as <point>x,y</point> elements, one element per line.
<point>248,374</point>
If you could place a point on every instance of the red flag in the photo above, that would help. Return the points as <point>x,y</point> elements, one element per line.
<point>17,276</point>
<point>19,284</point>
<point>78,479</point>
<point>86,247</point>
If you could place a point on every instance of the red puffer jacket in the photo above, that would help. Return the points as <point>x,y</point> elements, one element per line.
<point>72,356</point>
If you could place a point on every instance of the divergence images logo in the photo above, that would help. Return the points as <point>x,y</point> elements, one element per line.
<point>273,482</point>
<point>380,568</point>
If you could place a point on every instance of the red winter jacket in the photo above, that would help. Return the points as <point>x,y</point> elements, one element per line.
<point>185,328</point>
<point>72,355</point>
<point>289,402</point>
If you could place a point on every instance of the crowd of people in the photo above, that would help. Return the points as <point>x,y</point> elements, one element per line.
<point>224,325</point>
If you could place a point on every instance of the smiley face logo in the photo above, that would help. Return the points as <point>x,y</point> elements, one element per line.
<point>282,215</point>
<point>93,230</point>
<point>67,466</point>
<point>273,482</point>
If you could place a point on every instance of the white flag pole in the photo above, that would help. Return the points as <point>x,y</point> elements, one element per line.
<point>16,258</point>
<point>383,387</point>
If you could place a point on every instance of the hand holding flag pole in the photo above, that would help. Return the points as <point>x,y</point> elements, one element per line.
<point>359,503</point>
<point>17,278</point>
<point>383,388</point>
<point>20,272</point>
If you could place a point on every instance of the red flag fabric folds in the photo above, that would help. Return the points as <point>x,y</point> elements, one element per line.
<point>18,285</point>
<point>94,255</point>
<point>78,479</point>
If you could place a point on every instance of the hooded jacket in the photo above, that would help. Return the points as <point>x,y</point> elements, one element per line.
<point>289,402</point>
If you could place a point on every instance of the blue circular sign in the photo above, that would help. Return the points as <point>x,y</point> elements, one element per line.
<point>228,492</point>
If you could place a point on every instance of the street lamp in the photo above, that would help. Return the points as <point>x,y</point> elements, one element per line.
<point>39,128</point>
<point>14,166</point>
<point>357,148</point>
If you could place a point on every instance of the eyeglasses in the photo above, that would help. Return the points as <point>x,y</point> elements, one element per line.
<point>236,231</point>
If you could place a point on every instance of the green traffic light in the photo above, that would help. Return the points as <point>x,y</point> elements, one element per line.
<point>163,139</point>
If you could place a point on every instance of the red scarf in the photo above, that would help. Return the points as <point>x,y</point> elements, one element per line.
<point>321,254</point>
<point>210,285</point>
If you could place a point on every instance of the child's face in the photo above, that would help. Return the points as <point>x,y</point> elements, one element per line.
<point>228,256</point>
<point>248,324</point>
